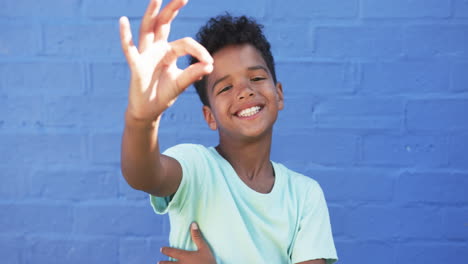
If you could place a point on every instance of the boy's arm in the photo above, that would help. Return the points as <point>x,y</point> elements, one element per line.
<point>142,165</point>
<point>155,84</point>
<point>315,261</point>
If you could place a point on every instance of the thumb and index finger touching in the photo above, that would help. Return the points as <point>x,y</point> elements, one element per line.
<point>155,26</point>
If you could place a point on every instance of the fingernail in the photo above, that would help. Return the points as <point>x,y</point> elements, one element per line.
<point>194,226</point>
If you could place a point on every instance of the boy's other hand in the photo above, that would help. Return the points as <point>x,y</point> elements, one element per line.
<point>202,256</point>
<point>156,81</point>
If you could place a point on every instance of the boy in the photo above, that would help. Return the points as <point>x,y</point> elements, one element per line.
<point>253,210</point>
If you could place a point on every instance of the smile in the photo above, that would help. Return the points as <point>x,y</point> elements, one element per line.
<point>249,111</point>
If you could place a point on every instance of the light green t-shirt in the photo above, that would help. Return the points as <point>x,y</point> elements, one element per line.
<point>288,225</point>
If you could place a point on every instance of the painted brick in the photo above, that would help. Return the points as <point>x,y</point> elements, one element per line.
<point>114,9</point>
<point>19,39</point>
<point>316,9</point>
<point>42,78</point>
<point>419,41</point>
<point>404,78</point>
<point>460,8</point>
<point>73,251</point>
<point>322,148</point>
<point>99,40</point>
<point>419,151</point>
<point>430,253</point>
<point>360,113</point>
<point>314,78</point>
<point>139,250</point>
<point>459,77</point>
<point>208,8</point>
<point>355,184</point>
<point>406,9</point>
<point>24,112</point>
<point>421,223</point>
<point>365,252</point>
<point>97,113</point>
<point>117,220</point>
<point>11,249</point>
<point>182,28</point>
<point>338,217</point>
<point>358,42</point>
<point>43,8</point>
<point>15,181</point>
<point>203,9</point>
<point>76,185</point>
<point>437,115</point>
<point>366,223</point>
<point>105,148</point>
<point>65,111</point>
<point>36,218</point>
<point>282,37</point>
<point>457,154</point>
<point>31,149</point>
<point>104,114</point>
<point>432,187</point>
<point>110,79</point>
<point>298,112</point>
<point>456,223</point>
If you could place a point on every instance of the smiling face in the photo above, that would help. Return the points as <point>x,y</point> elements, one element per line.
<point>244,100</point>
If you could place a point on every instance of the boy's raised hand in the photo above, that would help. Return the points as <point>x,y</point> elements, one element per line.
<point>203,255</point>
<point>156,81</point>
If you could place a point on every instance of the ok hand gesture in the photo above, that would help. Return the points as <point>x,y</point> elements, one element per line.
<point>156,81</point>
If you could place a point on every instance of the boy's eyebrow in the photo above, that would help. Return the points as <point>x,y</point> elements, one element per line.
<point>253,68</point>
<point>258,67</point>
<point>218,81</point>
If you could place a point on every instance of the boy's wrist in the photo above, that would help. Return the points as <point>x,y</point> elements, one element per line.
<point>132,120</point>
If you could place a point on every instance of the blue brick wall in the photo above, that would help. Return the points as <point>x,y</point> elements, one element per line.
<point>376,104</point>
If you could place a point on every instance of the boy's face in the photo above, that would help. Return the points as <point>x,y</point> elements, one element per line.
<point>244,101</point>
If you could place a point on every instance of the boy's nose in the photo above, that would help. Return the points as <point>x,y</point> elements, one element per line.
<point>242,96</point>
<point>245,91</point>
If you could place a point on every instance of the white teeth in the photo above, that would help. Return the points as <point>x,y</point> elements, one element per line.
<point>249,111</point>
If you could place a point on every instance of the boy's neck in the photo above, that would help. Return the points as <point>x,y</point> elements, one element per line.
<point>250,160</point>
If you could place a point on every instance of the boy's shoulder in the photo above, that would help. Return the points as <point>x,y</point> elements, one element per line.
<point>186,148</point>
<point>298,180</point>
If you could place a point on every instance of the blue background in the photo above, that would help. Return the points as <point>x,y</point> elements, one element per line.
<point>376,111</point>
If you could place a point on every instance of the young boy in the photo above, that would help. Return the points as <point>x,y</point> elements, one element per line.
<point>252,210</point>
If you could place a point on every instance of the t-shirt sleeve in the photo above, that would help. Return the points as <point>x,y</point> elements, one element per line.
<point>189,157</point>
<point>314,239</point>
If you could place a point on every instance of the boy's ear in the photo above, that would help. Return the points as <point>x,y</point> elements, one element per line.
<point>279,90</point>
<point>209,117</point>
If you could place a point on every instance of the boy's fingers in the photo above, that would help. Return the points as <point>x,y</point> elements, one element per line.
<point>197,236</point>
<point>184,46</point>
<point>128,47</point>
<point>165,17</point>
<point>148,22</point>
<point>174,252</point>
<point>192,74</point>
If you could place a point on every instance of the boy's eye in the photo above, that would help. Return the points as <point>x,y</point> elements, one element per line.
<point>225,89</point>
<point>256,79</point>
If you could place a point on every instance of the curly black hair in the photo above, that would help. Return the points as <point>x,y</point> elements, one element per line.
<point>225,30</point>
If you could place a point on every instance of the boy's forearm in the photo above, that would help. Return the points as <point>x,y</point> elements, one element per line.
<point>140,156</point>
